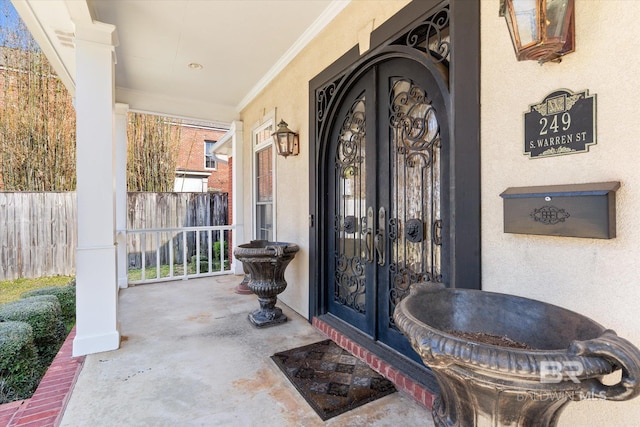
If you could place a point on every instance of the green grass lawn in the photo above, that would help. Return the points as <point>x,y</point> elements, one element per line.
<point>10,290</point>
<point>150,272</point>
<point>178,270</point>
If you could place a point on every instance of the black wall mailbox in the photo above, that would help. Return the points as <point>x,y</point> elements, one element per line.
<point>572,210</point>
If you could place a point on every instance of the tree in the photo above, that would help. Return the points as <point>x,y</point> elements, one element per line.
<point>38,124</point>
<point>37,119</point>
<point>152,152</point>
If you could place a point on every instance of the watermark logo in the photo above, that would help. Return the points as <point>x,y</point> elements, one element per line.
<point>553,372</point>
<point>553,396</point>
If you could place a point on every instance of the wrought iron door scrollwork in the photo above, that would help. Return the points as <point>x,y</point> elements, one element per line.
<point>351,140</point>
<point>430,36</point>
<point>353,241</point>
<point>414,230</point>
<point>350,282</point>
<point>393,229</point>
<point>437,232</point>
<point>401,280</point>
<point>414,119</point>
<point>324,99</point>
<point>350,224</point>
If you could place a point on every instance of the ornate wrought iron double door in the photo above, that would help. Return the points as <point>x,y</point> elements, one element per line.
<point>385,206</point>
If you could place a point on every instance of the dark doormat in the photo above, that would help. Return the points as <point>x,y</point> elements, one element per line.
<point>331,379</point>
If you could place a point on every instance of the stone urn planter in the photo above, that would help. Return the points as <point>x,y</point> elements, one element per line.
<point>502,360</point>
<point>266,262</point>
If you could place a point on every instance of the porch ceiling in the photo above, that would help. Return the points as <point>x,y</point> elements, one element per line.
<point>238,44</point>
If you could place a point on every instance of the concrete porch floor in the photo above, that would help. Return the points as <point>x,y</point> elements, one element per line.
<point>190,357</point>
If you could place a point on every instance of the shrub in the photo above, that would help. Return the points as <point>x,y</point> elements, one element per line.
<point>204,264</point>
<point>20,369</point>
<point>66,296</point>
<point>44,315</point>
<point>216,250</point>
<point>215,260</point>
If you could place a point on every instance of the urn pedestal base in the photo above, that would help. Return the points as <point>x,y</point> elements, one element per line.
<point>268,314</point>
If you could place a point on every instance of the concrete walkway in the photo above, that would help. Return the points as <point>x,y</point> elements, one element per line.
<point>189,357</point>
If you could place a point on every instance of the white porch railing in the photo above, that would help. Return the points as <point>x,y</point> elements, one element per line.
<point>163,254</point>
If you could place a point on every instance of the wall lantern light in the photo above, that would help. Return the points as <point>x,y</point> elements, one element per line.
<point>541,30</point>
<point>286,140</point>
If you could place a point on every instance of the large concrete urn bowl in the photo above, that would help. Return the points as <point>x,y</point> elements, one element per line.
<point>502,360</point>
<point>266,262</point>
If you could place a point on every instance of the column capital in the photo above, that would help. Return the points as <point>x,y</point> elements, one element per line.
<point>121,108</point>
<point>97,32</point>
<point>235,126</point>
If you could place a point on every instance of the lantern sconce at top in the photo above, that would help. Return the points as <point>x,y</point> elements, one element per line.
<point>286,140</point>
<point>541,30</point>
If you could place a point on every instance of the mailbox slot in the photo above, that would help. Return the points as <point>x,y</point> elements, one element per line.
<point>572,210</point>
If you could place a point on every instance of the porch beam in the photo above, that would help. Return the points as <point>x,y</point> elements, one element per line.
<point>96,282</point>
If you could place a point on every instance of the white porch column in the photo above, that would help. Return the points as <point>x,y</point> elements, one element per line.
<point>121,192</point>
<point>237,188</point>
<point>96,285</point>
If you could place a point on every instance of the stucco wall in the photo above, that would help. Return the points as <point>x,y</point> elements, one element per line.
<point>289,95</point>
<point>598,278</point>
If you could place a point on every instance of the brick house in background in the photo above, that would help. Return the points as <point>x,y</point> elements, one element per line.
<point>198,169</point>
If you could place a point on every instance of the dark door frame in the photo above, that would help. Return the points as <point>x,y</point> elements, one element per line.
<point>464,186</point>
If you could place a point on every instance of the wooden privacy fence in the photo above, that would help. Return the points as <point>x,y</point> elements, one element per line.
<point>38,230</point>
<point>37,234</point>
<point>171,211</point>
